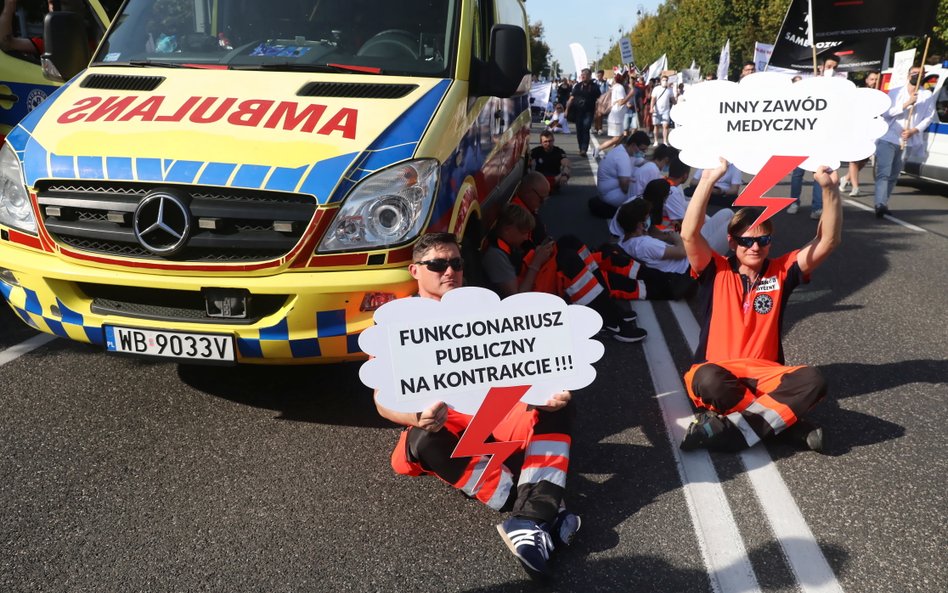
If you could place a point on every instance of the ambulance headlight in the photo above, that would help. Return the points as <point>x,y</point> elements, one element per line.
<point>386,209</point>
<point>15,209</point>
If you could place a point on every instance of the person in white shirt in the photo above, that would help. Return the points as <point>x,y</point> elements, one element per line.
<point>651,170</point>
<point>676,203</point>
<point>911,113</point>
<point>616,118</point>
<point>725,189</point>
<point>663,97</point>
<point>614,178</point>
<point>558,121</point>
<point>669,277</point>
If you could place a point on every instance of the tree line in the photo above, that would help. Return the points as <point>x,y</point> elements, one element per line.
<point>696,30</point>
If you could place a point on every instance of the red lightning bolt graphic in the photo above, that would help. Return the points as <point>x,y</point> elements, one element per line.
<point>773,171</point>
<point>496,405</point>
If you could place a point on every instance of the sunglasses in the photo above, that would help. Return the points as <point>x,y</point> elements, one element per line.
<point>763,240</point>
<point>441,264</point>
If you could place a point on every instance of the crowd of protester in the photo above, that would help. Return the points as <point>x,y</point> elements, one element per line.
<point>665,244</point>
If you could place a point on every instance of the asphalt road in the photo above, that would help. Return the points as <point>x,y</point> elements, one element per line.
<point>122,474</point>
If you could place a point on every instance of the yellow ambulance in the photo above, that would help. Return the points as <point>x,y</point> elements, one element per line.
<point>242,181</point>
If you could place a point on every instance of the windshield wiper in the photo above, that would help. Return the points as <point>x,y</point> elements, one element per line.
<point>153,63</point>
<point>296,67</point>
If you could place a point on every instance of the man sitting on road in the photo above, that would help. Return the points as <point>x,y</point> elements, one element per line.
<point>532,491</point>
<point>550,161</point>
<point>739,376</point>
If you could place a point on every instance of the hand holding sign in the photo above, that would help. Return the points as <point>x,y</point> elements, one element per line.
<point>767,124</point>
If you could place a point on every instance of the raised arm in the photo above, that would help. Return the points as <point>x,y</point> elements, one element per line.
<point>829,231</point>
<point>696,247</point>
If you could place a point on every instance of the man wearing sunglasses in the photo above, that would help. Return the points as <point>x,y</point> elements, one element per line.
<point>739,378</point>
<point>533,489</point>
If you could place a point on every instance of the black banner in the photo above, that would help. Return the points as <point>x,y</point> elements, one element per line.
<point>855,30</point>
<point>834,19</point>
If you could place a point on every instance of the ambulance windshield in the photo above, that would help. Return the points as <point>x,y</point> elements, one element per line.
<point>405,37</point>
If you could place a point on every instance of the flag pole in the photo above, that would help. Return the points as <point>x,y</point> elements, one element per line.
<point>811,34</point>
<point>918,82</point>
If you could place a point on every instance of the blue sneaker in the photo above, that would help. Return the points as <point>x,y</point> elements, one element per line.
<point>530,543</point>
<point>565,527</point>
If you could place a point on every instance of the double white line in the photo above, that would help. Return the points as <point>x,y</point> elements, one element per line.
<point>720,542</point>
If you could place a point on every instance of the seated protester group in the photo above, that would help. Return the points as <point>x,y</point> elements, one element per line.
<point>566,268</point>
<point>725,189</point>
<point>614,180</point>
<point>530,484</point>
<point>550,161</point>
<point>657,192</point>
<point>664,259</point>
<point>740,378</point>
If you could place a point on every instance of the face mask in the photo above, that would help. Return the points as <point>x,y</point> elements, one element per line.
<point>829,72</point>
<point>913,79</point>
<point>647,223</point>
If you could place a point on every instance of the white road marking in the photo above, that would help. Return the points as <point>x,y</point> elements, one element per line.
<point>907,225</point>
<point>799,546</point>
<point>719,539</point>
<point>28,345</point>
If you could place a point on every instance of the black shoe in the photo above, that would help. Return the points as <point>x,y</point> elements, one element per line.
<point>628,332</point>
<point>805,435</point>
<point>881,210</point>
<point>626,310</point>
<point>714,432</point>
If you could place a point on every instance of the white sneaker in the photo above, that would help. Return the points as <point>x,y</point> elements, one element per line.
<point>855,192</point>
<point>844,184</point>
<point>793,208</point>
<point>815,214</point>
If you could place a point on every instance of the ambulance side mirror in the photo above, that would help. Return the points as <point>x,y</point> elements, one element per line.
<point>507,72</point>
<point>67,47</point>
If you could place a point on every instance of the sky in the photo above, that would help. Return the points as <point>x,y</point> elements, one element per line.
<point>591,23</point>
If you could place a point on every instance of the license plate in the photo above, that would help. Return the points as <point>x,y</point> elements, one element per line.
<point>148,342</point>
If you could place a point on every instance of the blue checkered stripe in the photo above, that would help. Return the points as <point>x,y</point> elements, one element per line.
<point>329,324</point>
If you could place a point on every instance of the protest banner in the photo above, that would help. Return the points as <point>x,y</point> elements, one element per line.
<point>426,351</point>
<point>625,50</point>
<point>901,63</point>
<point>767,125</point>
<point>479,355</point>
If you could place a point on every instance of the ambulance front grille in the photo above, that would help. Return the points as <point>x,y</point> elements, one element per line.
<point>171,305</point>
<point>227,225</point>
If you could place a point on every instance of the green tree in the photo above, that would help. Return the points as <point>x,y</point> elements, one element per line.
<point>539,51</point>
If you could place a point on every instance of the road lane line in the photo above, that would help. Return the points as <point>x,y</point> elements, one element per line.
<point>719,539</point>
<point>907,225</point>
<point>18,350</point>
<point>797,541</point>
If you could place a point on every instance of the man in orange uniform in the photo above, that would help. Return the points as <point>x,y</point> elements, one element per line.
<point>739,375</point>
<point>531,483</point>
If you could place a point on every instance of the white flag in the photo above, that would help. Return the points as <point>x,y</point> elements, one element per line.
<point>725,61</point>
<point>580,60</point>
<point>655,70</point>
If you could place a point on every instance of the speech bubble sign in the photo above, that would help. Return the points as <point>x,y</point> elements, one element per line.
<point>456,349</point>
<point>828,120</point>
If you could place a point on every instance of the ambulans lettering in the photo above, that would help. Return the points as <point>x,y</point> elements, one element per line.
<point>283,115</point>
